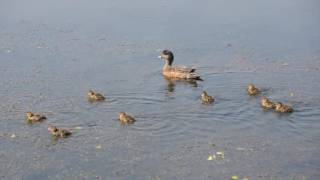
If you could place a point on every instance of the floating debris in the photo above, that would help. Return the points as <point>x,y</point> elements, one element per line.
<point>240,149</point>
<point>234,177</point>
<point>210,158</point>
<point>99,146</point>
<point>78,128</point>
<point>220,155</point>
<point>13,136</point>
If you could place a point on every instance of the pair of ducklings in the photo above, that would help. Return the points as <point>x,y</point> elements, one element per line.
<point>266,103</point>
<point>63,133</point>
<point>277,106</point>
<point>123,117</point>
<point>57,132</point>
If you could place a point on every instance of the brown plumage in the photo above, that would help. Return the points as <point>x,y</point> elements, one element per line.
<point>31,117</point>
<point>282,108</point>
<point>206,98</point>
<point>252,90</point>
<point>125,118</point>
<point>57,132</point>
<point>94,96</point>
<point>178,72</point>
<point>266,103</point>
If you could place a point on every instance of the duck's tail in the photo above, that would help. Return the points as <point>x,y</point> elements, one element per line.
<point>199,78</point>
<point>194,76</point>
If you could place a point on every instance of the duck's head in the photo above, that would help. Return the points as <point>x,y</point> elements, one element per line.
<point>29,114</point>
<point>251,86</point>
<point>121,115</point>
<point>204,93</point>
<point>52,129</point>
<point>167,55</point>
<point>90,93</point>
<point>278,105</point>
<point>265,100</point>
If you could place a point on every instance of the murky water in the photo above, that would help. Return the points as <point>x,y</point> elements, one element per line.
<point>52,52</point>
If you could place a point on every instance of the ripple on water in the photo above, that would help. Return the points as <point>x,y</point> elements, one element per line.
<point>134,98</point>
<point>160,126</point>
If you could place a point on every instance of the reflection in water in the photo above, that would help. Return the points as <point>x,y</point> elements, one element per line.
<point>54,140</point>
<point>171,83</point>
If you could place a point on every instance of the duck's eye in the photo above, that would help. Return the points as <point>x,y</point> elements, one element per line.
<point>166,52</point>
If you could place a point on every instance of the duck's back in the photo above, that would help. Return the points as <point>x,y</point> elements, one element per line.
<point>180,72</point>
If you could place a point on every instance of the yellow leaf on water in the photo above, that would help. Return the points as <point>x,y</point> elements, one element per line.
<point>220,154</point>
<point>234,177</point>
<point>210,158</point>
<point>78,128</point>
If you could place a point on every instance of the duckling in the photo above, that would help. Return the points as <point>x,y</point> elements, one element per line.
<point>35,117</point>
<point>57,132</point>
<point>94,96</point>
<point>206,98</point>
<point>177,72</point>
<point>282,108</point>
<point>266,103</point>
<point>124,118</point>
<point>252,90</point>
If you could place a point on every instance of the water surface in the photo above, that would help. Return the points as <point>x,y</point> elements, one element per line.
<point>53,52</point>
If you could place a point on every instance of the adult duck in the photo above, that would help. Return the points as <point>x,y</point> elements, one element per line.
<point>177,72</point>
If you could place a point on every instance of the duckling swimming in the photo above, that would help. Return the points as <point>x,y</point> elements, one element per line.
<point>31,117</point>
<point>252,90</point>
<point>266,103</point>
<point>170,71</point>
<point>206,98</point>
<point>94,96</point>
<point>57,132</point>
<point>124,118</point>
<point>282,108</point>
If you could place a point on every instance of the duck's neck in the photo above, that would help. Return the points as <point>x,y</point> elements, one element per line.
<point>167,65</point>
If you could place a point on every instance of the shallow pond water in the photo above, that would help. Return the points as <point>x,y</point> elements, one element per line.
<point>53,52</point>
